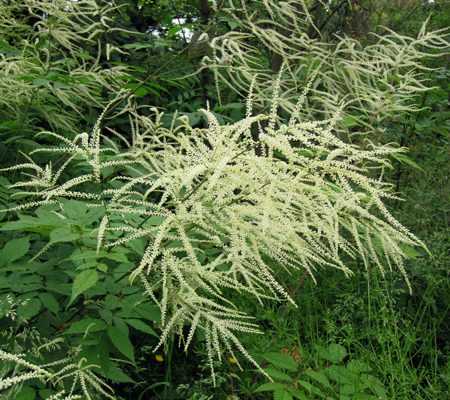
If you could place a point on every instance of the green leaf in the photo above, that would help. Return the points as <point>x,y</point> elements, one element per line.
<point>74,209</point>
<point>141,326</point>
<point>282,395</point>
<point>49,302</point>
<point>277,375</point>
<point>232,23</point>
<point>311,388</point>
<point>155,220</point>
<point>319,377</point>
<point>102,267</point>
<point>83,281</point>
<point>148,311</point>
<point>340,374</point>
<point>64,234</point>
<point>26,393</point>
<point>39,82</point>
<point>137,45</point>
<point>29,309</point>
<point>45,393</point>
<point>281,360</point>
<point>269,387</point>
<point>116,374</point>
<point>14,250</point>
<point>410,251</point>
<point>404,159</point>
<point>377,387</point>
<point>121,341</point>
<point>141,91</point>
<point>334,353</point>
<point>121,324</point>
<point>137,245</point>
<point>349,389</point>
<point>298,394</point>
<point>358,366</point>
<point>86,324</point>
<point>350,121</point>
<point>174,30</point>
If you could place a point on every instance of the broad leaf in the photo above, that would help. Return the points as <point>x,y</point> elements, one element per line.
<point>63,234</point>
<point>334,353</point>
<point>86,324</point>
<point>269,387</point>
<point>319,377</point>
<point>83,281</point>
<point>277,374</point>
<point>29,309</point>
<point>121,341</point>
<point>14,250</point>
<point>141,326</point>
<point>281,360</point>
<point>49,302</point>
<point>282,395</point>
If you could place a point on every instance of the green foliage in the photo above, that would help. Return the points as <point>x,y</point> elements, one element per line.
<point>70,291</point>
<point>335,380</point>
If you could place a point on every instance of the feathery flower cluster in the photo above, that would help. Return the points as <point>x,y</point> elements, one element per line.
<point>377,82</point>
<point>217,216</point>
<point>83,379</point>
<point>60,83</point>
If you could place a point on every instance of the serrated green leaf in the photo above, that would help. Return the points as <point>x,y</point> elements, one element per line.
<point>282,395</point>
<point>350,121</point>
<point>117,375</point>
<point>277,374</point>
<point>83,281</point>
<point>141,326</point>
<point>281,360</point>
<point>404,159</point>
<point>311,388</point>
<point>319,377</point>
<point>121,342</point>
<point>148,311</point>
<point>349,389</point>
<point>64,234</point>
<point>29,309</point>
<point>340,374</point>
<point>13,250</point>
<point>269,387</point>
<point>409,251</point>
<point>74,209</point>
<point>377,387</point>
<point>334,353</point>
<point>155,220</point>
<point>358,366</point>
<point>298,394</point>
<point>39,82</point>
<point>86,325</point>
<point>49,301</point>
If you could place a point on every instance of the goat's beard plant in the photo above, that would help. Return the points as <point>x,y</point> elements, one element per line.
<point>218,216</point>
<point>379,80</point>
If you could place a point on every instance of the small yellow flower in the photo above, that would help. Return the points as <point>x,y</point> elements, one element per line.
<point>232,360</point>
<point>159,358</point>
